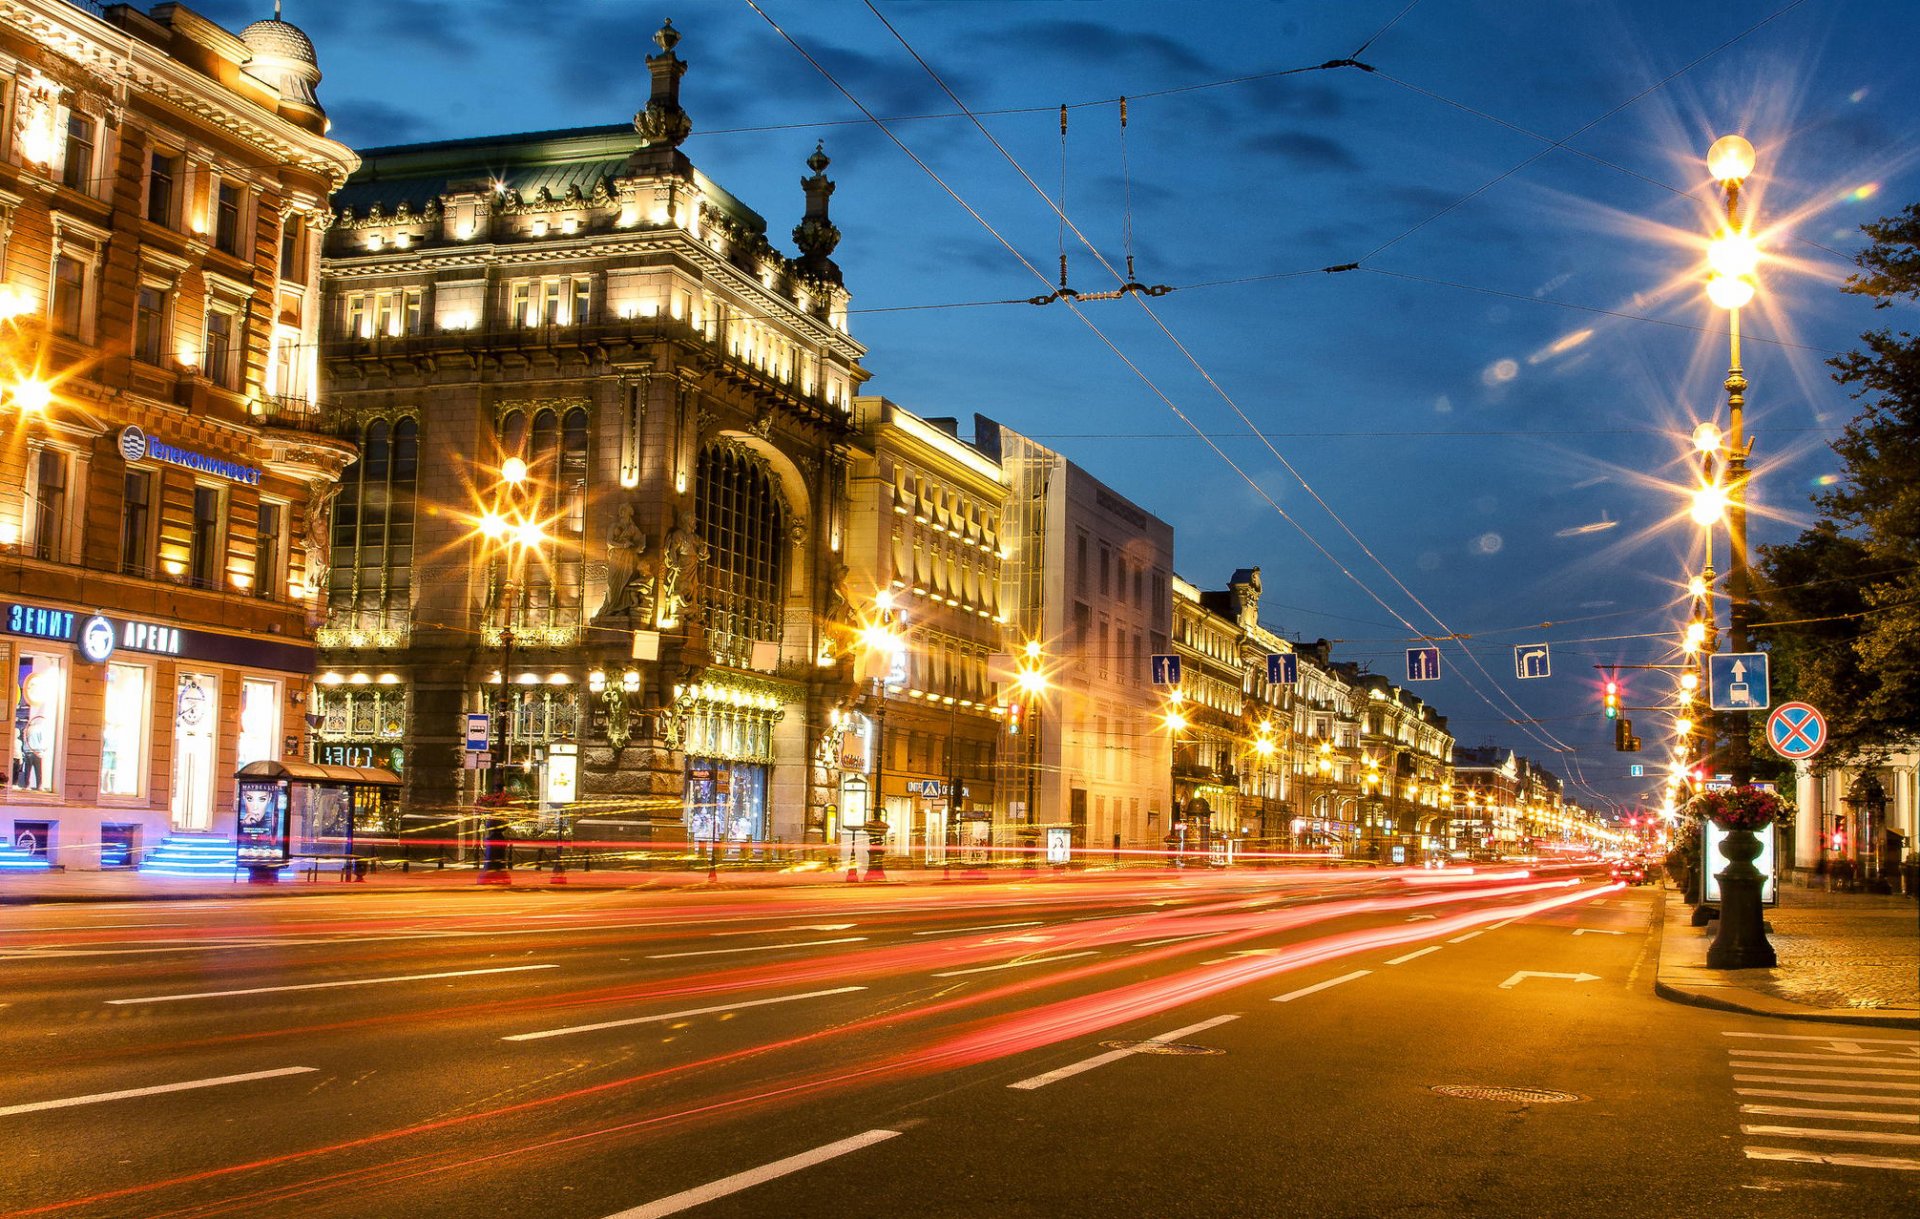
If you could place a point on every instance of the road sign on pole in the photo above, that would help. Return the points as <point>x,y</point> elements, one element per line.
<point>1796,731</point>
<point>1637,771</point>
<point>1283,668</point>
<point>1531,660</point>
<point>1166,670</point>
<point>1423,664</point>
<point>479,731</point>
<point>1737,681</point>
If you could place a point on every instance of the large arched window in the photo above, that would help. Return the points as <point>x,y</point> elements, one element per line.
<point>744,524</point>
<point>373,527</point>
<point>554,446</point>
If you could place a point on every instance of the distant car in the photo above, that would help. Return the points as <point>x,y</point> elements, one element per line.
<point>1630,871</point>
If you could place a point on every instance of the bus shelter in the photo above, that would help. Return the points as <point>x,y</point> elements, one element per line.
<point>305,810</point>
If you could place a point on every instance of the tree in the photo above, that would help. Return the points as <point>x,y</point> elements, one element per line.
<point>1846,594</point>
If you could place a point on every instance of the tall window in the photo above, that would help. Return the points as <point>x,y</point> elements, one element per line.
<point>76,173</point>
<point>269,550</point>
<point>293,266</point>
<point>555,450</point>
<point>49,514</point>
<point>226,219</point>
<point>123,726</point>
<point>136,523</point>
<point>162,170</point>
<point>150,324</point>
<point>69,312</point>
<point>373,525</point>
<point>222,356</point>
<point>203,557</point>
<point>744,526</point>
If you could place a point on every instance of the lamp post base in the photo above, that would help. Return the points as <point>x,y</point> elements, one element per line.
<point>1741,941</point>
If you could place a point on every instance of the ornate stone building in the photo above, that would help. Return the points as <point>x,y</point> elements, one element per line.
<point>162,181</point>
<point>586,310</point>
<point>1406,752</point>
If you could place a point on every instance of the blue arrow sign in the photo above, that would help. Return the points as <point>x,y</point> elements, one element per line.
<point>1166,670</point>
<point>1283,668</point>
<point>1637,771</point>
<point>1737,681</point>
<point>1532,660</point>
<point>1423,664</point>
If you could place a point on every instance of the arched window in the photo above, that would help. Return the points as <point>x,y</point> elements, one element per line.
<point>373,526</point>
<point>744,526</point>
<point>554,493</point>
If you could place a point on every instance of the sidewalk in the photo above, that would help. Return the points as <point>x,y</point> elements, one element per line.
<point>1844,958</point>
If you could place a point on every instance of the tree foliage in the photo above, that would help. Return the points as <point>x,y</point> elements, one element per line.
<point>1845,595</point>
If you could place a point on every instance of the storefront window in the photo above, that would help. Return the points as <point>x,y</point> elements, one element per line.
<point>259,721</point>
<point>39,703</point>
<point>123,726</point>
<point>196,719</point>
<point>362,727</point>
<point>726,802</point>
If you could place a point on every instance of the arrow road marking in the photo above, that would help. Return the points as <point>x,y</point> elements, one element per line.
<point>1524,974</point>
<point>1595,931</point>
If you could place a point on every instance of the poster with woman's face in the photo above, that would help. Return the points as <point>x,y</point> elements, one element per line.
<point>261,833</point>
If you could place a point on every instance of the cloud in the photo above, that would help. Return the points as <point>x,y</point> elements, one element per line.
<point>1303,150</point>
<point>1095,42</point>
<point>360,123</point>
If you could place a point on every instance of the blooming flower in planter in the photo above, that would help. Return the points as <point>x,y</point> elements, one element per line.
<point>1741,808</point>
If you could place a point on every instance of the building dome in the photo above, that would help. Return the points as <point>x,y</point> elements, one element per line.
<point>282,56</point>
<point>279,39</point>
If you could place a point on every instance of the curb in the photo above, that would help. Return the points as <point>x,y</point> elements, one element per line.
<point>1731,997</point>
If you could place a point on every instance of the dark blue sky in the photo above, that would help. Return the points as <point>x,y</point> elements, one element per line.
<point>1491,403</point>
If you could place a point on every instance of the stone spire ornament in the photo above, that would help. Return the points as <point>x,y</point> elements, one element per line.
<point>815,234</point>
<point>663,124</point>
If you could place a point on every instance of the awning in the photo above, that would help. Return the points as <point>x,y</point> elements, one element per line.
<point>314,772</point>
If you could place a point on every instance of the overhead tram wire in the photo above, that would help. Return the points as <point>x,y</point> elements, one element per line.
<point>1551,743</point>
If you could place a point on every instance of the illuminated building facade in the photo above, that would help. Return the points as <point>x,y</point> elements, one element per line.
<point>924,537</point>
<point>1087,575</point>
<point>1324,756</point>
<point>163,182</point>
<point>587,310</point>
<point>1406,760</point>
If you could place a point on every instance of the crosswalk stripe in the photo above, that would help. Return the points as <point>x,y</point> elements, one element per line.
<point>1797,1156</point>
<point>1829,1058</point>
<point>1854,1115</point>
<point>1839,1037</point>
<point>1838,1083</point>
<point>1842,1136</point>
<point>1830,1096</point>
<point>1788,1066</point>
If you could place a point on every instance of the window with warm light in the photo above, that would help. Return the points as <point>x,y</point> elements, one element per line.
<point>77,169</point>
<point>373,521</point>
<point>205,540</point>
<point>123,728</point>
<point>150,329</point>
<point>163,172</point>
<point>39,721</point>
<point>50,524</point>
<point>220,355</point>
<point>270,550</point>
<point>227,201</point>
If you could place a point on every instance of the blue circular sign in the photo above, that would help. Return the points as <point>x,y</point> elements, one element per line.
<point>133,443</point>
<point>1796,731</point>
<point>96,639</point>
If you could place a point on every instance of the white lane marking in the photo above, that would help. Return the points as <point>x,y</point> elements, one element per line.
<point>720,952</point>
<point>1826,1058</point>
<point>157,1089</point>
<point>701,1194</point>
<point>1824,1066</point>
<point>1461,939</point>
<point>988,927</point>
<point>1595,931</point>
<point>1304,991</point>
<point>1503,922</point>
<point>1173,940</point>
<point>1839,1161</point>
<point>1524,974</point>
<point>1829,1096</point>
<point>1803,1081</point>
<point>269,990</point>
<point>1853,1115</point>
<point>1101,1060</point>
<point>1418,952</point>
<point>1840,1136</point>
<point>665,1016</point>
<point>1833,1041</point>
<point>783,930</point>
<point>983,969</point>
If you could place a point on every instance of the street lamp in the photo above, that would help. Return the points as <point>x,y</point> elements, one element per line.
<point>883,647</point>
<point>1030,682</point>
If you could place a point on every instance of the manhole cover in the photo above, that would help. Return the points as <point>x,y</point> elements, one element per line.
<point>1524,1096</point>
<point>1160,1047</point>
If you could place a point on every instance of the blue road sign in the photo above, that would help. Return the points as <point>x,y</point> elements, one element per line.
<point>1423,664</point>
<point>1166,670</point>
<point>1737,681</point>
<point>1531,660</point>
<point>1796,731</point>
<point>1283,668</point>
<point>1637,771</point>
<point>479,729</point>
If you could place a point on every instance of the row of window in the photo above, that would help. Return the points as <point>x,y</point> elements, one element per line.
<point>55,519</point>
<point>42,714</point>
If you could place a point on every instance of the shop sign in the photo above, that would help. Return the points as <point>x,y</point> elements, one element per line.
<point>96,639</point>
<point>135,445</point>
<point>150,637</point>
<point>853,745</point>
<point>40,622</point>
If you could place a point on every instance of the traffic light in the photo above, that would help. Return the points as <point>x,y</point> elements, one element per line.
<point>1013,719</point>
<point>1613,699</point>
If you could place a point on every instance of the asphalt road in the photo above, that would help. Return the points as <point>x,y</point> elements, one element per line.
<point>1197,1044</point>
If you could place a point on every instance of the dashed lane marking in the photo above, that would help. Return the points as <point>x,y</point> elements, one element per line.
<point>1304,991</point>
<point>1418,952</point>
<point>701,1194</point>
<point>269,990</point>
<point>189,1085</point>
<point>982,969</point>
<point>665,1016</point>
<point>1101,1060</point>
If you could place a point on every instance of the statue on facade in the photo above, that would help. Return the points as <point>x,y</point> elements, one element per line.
<point>316,537</point>
<point>682,552</point>
<point>626,550</point>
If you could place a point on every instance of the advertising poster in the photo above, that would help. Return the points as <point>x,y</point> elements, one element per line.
<point>261,835</point>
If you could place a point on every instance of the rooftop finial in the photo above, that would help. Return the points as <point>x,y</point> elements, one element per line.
<point>815,234</point>
<point>663,122</point>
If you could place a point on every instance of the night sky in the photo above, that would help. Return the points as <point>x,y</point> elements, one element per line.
<point>1495,404</point>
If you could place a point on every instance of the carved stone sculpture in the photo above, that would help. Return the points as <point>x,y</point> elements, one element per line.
<point>626,547</point>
